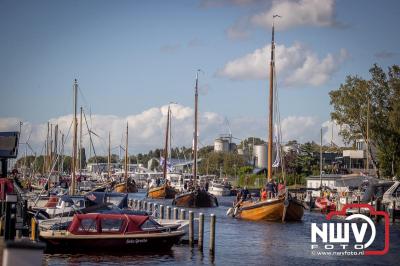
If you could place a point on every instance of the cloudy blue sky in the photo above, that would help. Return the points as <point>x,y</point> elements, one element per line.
<point>132,58</point>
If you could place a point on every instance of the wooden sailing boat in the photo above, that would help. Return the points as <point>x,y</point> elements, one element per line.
<point>165,191</point>
<point>128,185</point>
<point>196,197</point>
<point>282,208</point>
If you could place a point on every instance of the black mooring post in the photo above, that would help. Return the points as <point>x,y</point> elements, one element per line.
<point>10,221</point>
<point>3,167</point>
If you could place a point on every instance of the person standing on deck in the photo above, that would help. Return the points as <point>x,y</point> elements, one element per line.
<point>270,189</point>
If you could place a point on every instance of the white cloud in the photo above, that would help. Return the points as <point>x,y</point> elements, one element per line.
<point>300,128</point>
<point>331,133</point>
<point>298,13</point>
<point>295,65</point>
<point>147,129</point>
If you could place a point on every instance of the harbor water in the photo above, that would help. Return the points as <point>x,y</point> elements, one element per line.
<point>241,242</point>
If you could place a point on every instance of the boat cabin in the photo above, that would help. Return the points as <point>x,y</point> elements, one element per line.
<point>89,224</point>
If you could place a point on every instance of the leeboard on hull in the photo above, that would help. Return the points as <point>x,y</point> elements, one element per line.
<point>271,210</point>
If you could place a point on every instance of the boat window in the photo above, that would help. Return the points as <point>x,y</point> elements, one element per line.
<point>88,225</point>
<point>115,200</point>
<point>111,225</point>
<point>149,225</point>
<point>396,193</point>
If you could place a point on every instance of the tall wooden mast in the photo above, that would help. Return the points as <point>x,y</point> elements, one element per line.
<point>166,144</point>
<point>109,155</point>
<point>74,142</point>
<point>271,104</point>
<point>126,153</point>
<point>80,143</point>
<point>196,98</point>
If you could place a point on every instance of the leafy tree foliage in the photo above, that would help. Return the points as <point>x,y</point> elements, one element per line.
<point>380,94</point>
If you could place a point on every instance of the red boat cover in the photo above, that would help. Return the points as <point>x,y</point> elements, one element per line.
<point>6,186</point>
<point>97,223</point>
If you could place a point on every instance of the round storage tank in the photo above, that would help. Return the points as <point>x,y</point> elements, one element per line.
<point>221,145</point>
<point>260,153</point>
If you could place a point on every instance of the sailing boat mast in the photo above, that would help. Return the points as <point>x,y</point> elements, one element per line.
<point>109,155</point>
<point>74,144</point>
<point>166,145</point>
<point>271,103</point>
<point>196,97</point>
<point>126,153</point>
<point>80,144</point>
<point>367,142</point>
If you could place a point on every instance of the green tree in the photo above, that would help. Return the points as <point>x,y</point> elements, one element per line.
<point>98,159</point>
<point>379,94</point>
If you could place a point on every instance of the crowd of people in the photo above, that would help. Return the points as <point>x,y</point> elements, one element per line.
<point>271,190</point>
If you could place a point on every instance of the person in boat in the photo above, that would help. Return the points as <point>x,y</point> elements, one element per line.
<point>185,186</point>
<point>270,189</point>
<point>263,194</point>
<point>275,188</point>
<point>158,181</point>
<point>238,196</point>
<point>281,187</point>
<point>206,186</point>
<point>245,194</point>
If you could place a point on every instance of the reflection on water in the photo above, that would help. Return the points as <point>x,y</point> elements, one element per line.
<point>239,243</point>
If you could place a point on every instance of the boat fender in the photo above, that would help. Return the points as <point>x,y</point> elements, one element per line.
<point>286,203</point>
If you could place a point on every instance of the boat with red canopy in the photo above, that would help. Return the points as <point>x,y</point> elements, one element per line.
<point>110,232</point>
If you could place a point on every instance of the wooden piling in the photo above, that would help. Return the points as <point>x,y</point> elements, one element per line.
<point>191,228</point>
<point>183,214</point>
<point>201,231</point>
<point>161,212</point>
<point>145,206</point>
<point>175,213</point>
<point>156,209</point>
<point>169,212</point>
<point>394,211</point>
<point>212,233</point>
<point>377,208</point>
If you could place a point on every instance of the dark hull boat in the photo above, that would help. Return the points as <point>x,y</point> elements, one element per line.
<point>195,199</point>
<point>111,233</point>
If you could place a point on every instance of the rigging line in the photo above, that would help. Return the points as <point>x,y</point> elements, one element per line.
<point>52,168</point>
<point>90,137</point>
<point>86,104</point>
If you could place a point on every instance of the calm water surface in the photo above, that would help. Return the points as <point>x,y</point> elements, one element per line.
<point>242,243</point>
